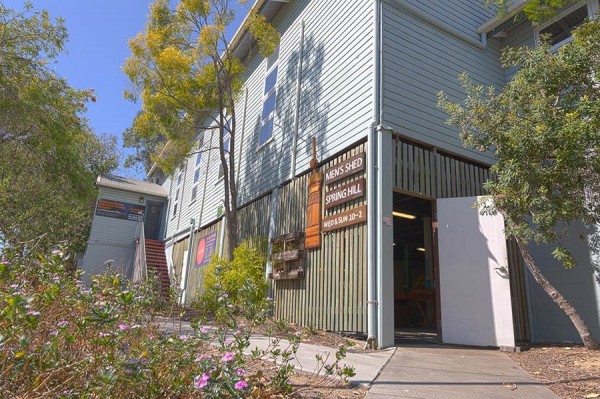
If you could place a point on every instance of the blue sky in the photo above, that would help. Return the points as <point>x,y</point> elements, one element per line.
<point>97,48</point>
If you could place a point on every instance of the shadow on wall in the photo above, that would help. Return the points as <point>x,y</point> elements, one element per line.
<point>593,233</point>
<point>271,164</point>
<point>580,286</point>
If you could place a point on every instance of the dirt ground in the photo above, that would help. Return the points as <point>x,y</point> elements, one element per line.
<point>571,372</point>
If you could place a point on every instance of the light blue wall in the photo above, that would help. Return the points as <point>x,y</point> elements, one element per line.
<point>420,60</point>
<point>580,286</point>
<point>336,103</point>
<point>113,239</point>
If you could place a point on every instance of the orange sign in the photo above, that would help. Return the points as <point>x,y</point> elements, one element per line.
<point>313,211</point>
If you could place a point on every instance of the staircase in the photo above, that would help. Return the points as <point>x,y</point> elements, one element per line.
<point>156,263</point>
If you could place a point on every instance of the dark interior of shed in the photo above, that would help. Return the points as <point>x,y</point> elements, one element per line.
<point>414,280</point>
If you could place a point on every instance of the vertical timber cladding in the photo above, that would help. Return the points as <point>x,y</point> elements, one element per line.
<point>418,170</point>
<point>196,273</point>
<point>333,294</point>
<point>178,251</point>
<point>253,226</point>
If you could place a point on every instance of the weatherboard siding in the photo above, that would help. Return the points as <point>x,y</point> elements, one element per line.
<point>579,285</point>
<point>336,105</point>
<point>519,35</point>
<point>420,60</point>
<point>113,239</point>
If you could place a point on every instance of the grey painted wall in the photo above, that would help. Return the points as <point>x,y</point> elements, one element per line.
<point>580,285</point>
<point>420,59</point>
<point>336,104</point>
<point>113,239</point>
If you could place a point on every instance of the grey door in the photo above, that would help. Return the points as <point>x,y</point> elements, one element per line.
<point>152,220</point>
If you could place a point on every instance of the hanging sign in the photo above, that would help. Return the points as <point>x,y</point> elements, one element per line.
<point>206,248</point>
<point>345,219</point>
<point>313,206</point>
<point>313,212</point>
<point>120,210</point>
<point>346,168</point>
<point>345,193</point>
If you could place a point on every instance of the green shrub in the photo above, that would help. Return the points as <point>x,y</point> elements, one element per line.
<point>240,283</point>
<point>62,339</point>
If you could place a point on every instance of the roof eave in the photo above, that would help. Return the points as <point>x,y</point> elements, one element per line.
<point>499,20</point>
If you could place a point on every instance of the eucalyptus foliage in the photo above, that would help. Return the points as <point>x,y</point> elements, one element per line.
<point>544,130</point>
<point>188,79</point>
<point>49,157</point>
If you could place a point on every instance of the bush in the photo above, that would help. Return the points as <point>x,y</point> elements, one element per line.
<point>61,339</point>
<point>240,283</point>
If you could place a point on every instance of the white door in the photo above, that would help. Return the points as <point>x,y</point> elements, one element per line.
<point>475,300</point>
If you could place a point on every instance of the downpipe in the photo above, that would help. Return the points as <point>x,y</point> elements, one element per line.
<point>372,306</point>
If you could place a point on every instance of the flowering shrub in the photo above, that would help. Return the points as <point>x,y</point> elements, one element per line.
<point>240,283</point>
<point>62,339</point>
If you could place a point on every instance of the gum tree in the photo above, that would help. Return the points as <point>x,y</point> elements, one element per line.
<point>544,129</point>
<point>188,79</point>
<point>49,156</point>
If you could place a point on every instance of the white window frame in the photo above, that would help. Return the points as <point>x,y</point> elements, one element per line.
<point>178,195</point>
<point>226,136</point>
<point>592,8</point>
<point>272,64</point>
<point>198,162</point>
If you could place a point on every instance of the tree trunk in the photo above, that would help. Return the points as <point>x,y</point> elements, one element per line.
<point>584,332</point>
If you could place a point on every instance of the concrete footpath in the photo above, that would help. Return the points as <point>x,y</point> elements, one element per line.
<point>366,365</point>
<point>448,372</point>
<point>422,371</point>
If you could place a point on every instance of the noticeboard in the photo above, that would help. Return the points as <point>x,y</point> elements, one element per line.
<point>120,210</point>
<point>207,246</point>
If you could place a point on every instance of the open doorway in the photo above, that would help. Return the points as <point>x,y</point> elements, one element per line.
<point>414,275</point>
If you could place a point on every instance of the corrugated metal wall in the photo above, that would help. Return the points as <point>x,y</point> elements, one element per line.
<point>333,294</point>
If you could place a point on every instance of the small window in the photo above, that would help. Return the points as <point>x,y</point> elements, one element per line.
<point>194,193</point>
<point>269,106</point>
<point>560,29</point>
<point>198,158</point>
<point>226,143</point>
<point>177,195</point>
<point>197,176</point>
<point>221,171</point>
<point>269,99</point>
<point>179,178</point>
<point>271,80</point>
<point>175,210</point>
<point>273,58</point>
<point>266,131</point>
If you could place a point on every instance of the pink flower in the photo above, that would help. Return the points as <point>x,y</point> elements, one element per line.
<point>200,381</point>
<point>123,327</point>
<point>241,384</point>
<point>202,357</point>
<point>203,330</point>
<point>33,313</point>
<point>62,324</point>
<point>240,372</point>
<point>228,356</point>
